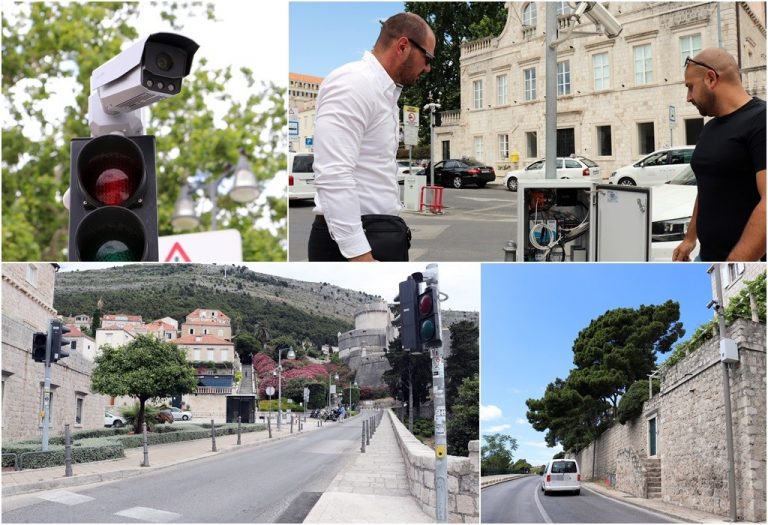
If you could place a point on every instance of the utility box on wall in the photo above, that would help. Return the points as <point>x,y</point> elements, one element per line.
<point>729,351</point>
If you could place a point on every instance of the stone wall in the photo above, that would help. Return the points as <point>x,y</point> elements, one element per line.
<point>206,406</point>
<point>463,476</point>
<point>691,441</point>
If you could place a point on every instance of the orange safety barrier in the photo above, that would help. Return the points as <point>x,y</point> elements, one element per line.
<point>434,200</point>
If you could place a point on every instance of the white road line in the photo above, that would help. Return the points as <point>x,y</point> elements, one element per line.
<point>65,497</point>
<point>539,506</point>
<point>147,514</point>
<point>633,507</point>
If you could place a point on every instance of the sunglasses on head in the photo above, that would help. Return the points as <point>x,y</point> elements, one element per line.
<point>429,56</point>
<point>689,60</point>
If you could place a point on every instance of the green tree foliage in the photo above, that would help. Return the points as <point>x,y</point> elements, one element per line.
<point>48,45</point>
<point>246,345</point>
<point>464,419</point>
<point>496,454</point>
<point>631,403</point>
<point>464,360</point>
<point>521,466</point>
<point>408,371</point>
<point>144,368</point>
<point>453,23</point>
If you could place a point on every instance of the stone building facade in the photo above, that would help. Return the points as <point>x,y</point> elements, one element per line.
<point>27,307</point>
<point>207,322</point>
<point>679,441</point>
<point>613,94</point>
<point>363,349</point>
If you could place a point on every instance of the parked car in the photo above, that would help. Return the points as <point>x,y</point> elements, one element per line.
<point>460,172</point>
<point>111,420</point>
<point>672,205</point>
<point>178,414</point>
<point>561,475</point>
<point>301,176</point>
<point>657,168</point>
<point>580,168</point>
<point>403,169</point>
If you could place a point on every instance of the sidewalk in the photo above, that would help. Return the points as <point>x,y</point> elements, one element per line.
<point>373,489</point>
<point>160,456</point>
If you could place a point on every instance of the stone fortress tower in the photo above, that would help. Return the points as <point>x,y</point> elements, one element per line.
<point>363,348</point>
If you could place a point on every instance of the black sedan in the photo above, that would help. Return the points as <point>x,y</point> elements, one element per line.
<point>460,172</point>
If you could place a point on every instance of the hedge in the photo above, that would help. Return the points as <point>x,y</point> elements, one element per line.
<point>85,451</point>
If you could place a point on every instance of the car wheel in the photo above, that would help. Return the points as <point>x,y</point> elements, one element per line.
<point>577,492</point>
<point>512,184</point>
<point>185,418</point>
<point>546,493</point>
<point>626,181</point>
<point>458,182</point>
<point>481,184</point>
<point>117,423</point>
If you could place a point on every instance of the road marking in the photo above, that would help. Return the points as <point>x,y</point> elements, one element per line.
<point>633,507</point>
<point>147,514</point>
<point>65,497</point>
<point>487,199</point>
<point>539,506</point>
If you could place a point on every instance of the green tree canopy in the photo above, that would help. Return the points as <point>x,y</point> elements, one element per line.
<point>464,420</point>
<point>521,466</point>
<point>464,360</point>
<point>409,371</point>
<point>144,368</point>
<point>496,455</point>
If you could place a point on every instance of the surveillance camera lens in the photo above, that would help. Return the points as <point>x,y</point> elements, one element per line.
<point>171,87</point>
<point>159,85</point>
<point>150,83</point>
<point>163,62</point>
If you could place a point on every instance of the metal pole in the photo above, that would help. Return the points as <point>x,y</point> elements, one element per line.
<point>431,181</point>
<point>67,451</point>
<point>727,397</point>
<point>213,437</point>
<point>291,423</point>
<point>719,27</point>
<point>279,387</point>
<point>329,391</point>
<point>239,424</point>
<point>269,426</point>
<point>47,388</point>
<point>550,134</point>
<point>146,444</point>
<point>367,432</point>
<point>362,438</point>
<point>212,196</point>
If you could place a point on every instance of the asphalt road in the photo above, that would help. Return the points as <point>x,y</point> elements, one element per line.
<point>279,482</point>
<point>521,501</point>
<point>475,226</point>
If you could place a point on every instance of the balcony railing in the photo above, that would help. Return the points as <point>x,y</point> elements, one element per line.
<point>451,118</point>
<point>475,46</point>
<point>213,390</point>
<point>753,80</point>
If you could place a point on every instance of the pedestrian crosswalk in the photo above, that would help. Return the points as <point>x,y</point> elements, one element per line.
<point>145,514</point>
<point>65,497</point>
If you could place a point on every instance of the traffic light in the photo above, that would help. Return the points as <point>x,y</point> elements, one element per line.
<point>56,331</point>
<point>429,317</point>
<point>38,346</point>
<point>408,296</point>
<point>113,199</point>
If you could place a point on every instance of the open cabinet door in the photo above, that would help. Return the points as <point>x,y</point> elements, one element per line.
<point>623,223</point>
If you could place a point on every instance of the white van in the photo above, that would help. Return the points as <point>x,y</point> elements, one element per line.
<point>561,475</point>
<point>301,176</point>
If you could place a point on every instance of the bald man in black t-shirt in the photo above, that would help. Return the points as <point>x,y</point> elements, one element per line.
<point>729,162</point>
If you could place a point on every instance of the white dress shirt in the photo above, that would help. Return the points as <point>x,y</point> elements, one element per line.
<point>356,140</point>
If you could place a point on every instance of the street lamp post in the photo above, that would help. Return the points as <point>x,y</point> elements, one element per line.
<point>290,355</point>
<point>245,188</point>
<point>350,394</point>
<point>336,378</point>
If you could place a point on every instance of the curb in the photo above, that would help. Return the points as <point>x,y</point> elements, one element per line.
<point>589,486</point>
<point>490,483</point>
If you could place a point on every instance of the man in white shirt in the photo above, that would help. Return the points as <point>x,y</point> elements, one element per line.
<point>357,204</point>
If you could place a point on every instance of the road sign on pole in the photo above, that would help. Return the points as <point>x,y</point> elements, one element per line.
<point>410,125</point>
<point>205,247</point>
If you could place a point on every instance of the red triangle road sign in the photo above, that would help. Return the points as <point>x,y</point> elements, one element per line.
<point>177,254</point>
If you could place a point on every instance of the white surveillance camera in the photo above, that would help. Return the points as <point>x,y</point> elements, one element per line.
<point>600,16</point>
<point>150,70</point>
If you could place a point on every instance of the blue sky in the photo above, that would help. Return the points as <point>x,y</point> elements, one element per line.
<point>532,313</point>
<point>326,35</point>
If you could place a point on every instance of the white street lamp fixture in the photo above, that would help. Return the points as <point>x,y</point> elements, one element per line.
<point>184,214</point>
<point>245,188</point>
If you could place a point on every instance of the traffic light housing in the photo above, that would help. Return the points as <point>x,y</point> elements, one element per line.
<point>408,296</point>
<point>429,318</point>
<point>38,346</point>
<point>113,199</point>
<point>56,333</point>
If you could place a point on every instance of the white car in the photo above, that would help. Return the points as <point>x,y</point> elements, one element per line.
<point>178,414</point>
<point>111,420</point>
<point>672,208</point>
<point>301,176</point>
<point>404,169</point>
<point>657,168</point>
<point>580,168</point>
<point>561,475</point>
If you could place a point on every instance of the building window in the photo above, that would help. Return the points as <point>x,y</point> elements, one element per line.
<point>477,90</point>
<point>224,356</point>
<point>690,46</point>
<point>503,147</point>
<point>32,274</point>
<point>563,78</point>
<point>531,145</point>
<point>501,90</point>
<point>732,273</point>
<point>191,331</point>
<point>446,149</point>
<point>530,83</point>
<point>602,71</point>
<point>529,14</point>
<point>210,354</point>
<point>693,129</point>
<point>566,142</point>
<point>604,147</point>
<point>196,354</point>
<point>221,332</point>
<point>479,148</point>
<point>79,410</point>
<point>643,65</point>
<point>645,138</point>
<point>563,9</point>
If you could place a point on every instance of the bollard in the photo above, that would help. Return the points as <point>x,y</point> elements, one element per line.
<point>269,426</point>
<point>291,423</point>
<point>146,445</point>
<point>67,452</point>
<point>367,432</point>
<point>239,424</point>
<point>362,438</point>
<point>213,437</point>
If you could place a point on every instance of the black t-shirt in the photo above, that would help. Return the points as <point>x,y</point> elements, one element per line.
<point>730,151</point>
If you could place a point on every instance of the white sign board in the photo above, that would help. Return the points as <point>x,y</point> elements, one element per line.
<point>410,125</point>
<point>206,247</point>
<point>672,115</point>
<point>270,391</point>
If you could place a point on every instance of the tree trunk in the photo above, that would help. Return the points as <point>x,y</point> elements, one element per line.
<point>140,416</point>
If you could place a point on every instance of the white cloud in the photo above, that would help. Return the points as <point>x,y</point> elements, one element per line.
<point>540,444</point>
<point>496,428</point>
<point>521,421</point>
<point>489,412</point>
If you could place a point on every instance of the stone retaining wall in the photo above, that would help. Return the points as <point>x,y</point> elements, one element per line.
<point>463,476</point>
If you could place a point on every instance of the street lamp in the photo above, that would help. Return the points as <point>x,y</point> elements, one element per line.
<point>350,395</point>
<point>290,355</point>
<point>245,188</point>
<point>335,378</point>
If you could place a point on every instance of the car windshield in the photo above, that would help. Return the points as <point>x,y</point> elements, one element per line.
<point>402,163</point>
<point>563,467</point>
<point>684,178</point>
<point>472,162</point>
<point>589,163</point>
